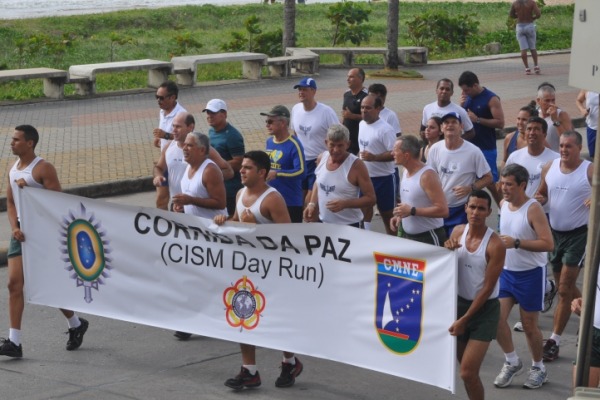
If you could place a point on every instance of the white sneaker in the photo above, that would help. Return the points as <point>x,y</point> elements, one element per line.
<point>536,378</point>
<point>507,374</point>
<point>518,327</point>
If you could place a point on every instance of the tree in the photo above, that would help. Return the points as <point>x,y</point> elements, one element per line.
<point>289,24</point>
<point>391,57</point>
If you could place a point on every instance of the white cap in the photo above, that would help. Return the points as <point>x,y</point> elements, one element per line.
<point>215,105</point>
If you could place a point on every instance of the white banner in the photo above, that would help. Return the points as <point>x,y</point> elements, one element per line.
<point>329,291</point>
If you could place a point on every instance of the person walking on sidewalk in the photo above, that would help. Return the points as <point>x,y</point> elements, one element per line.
<point>423,206</point>
<point>288,165</point>
<point>310,121</point>
<point>567,187</point>
<point>342,185</point>
<point>229,142</point>
<point>33,171</point>
<point>485,112</point>
<point>166,97</point>
<point>525,12</point>
<point>202,185</point>
<point>259,203</point>
<point>525,232</point>
<point>351,114</point>
<point>480,260</point>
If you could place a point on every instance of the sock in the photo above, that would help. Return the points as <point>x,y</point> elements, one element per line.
<point>539,364</point>
<point>367,226</point>
<point>15,336</point>
<point>291,360</point>
<point>74,321</point>
<point>512,358</point>
<point>251,368</point>
<point>556,338</point>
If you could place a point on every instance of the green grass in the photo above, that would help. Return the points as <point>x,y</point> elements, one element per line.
<point>87,39</point>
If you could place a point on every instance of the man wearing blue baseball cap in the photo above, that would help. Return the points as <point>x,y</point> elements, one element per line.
<point>310,121</point>
<point>461,166</point>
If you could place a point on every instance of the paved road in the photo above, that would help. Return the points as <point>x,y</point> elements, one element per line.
<point>106,139</point>
<point>121,360</point>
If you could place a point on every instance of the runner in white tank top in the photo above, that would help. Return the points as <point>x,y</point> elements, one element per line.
<point>194,187</point>
<point>254,208</point>
<point>26,173</point>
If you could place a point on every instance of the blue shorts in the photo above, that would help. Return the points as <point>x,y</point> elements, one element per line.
<point>491,156</point>
<point>309,177</point>
<point>385,190</point>
<point>526,287</point>
<point>166,175</point>
<point>457,216</point>
<point>591,139</point>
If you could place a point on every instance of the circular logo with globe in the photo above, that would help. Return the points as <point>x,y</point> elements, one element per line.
<point>244,304</point>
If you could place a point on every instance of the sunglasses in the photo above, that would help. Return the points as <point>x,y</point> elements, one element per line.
<point>161,98</point>
<point>270,121</point>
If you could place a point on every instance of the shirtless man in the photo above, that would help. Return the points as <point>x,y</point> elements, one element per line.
<point>525,12</point>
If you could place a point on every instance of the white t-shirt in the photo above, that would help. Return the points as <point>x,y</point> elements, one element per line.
<point>176,167</point>
<point>391,118</point>
<point>434,110</point>
<point>460,167</point>
<point>311,127</point>
<point>377,138</point>
<point>533,165</point>
<point>165,122</point>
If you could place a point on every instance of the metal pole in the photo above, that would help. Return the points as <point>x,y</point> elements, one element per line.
<point>590,278</point>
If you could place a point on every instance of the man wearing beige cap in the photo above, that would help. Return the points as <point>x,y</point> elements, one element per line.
<point>229,142</point>
<point>287,160</point>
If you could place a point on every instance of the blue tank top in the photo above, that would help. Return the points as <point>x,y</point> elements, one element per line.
<point>485,137</point>
<point>512,145</point>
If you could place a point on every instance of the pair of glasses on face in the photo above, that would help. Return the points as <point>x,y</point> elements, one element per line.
<point>161,98</point>
<point>270,121</point>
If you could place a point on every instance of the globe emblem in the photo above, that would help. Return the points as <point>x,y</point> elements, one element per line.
<point>244,304</point>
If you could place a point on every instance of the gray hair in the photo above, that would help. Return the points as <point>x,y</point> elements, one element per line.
<point>410,144</point>
<point>517,171</point>
<point>575,134</point>
<point>547,88</point>
<point>337,133</point>
<point>201,139</point>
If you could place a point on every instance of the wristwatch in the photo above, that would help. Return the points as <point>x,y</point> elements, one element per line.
<point>477,121</point>
<point>556,123</point>
<point>517,243</point>
<point>413,211</point>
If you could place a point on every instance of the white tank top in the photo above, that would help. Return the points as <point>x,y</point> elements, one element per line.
<point>515,224</point>
<point>472,266</point>
<point>552,136</point>
<point>27,173</point>
<point>176,167</point>
<point>194,187</point>
<point>566,194</point>
<point>334,185</point>
<point>413,194</point>
<point>255,207</point>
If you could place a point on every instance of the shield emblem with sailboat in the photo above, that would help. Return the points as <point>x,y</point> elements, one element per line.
<point>399,306</point>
